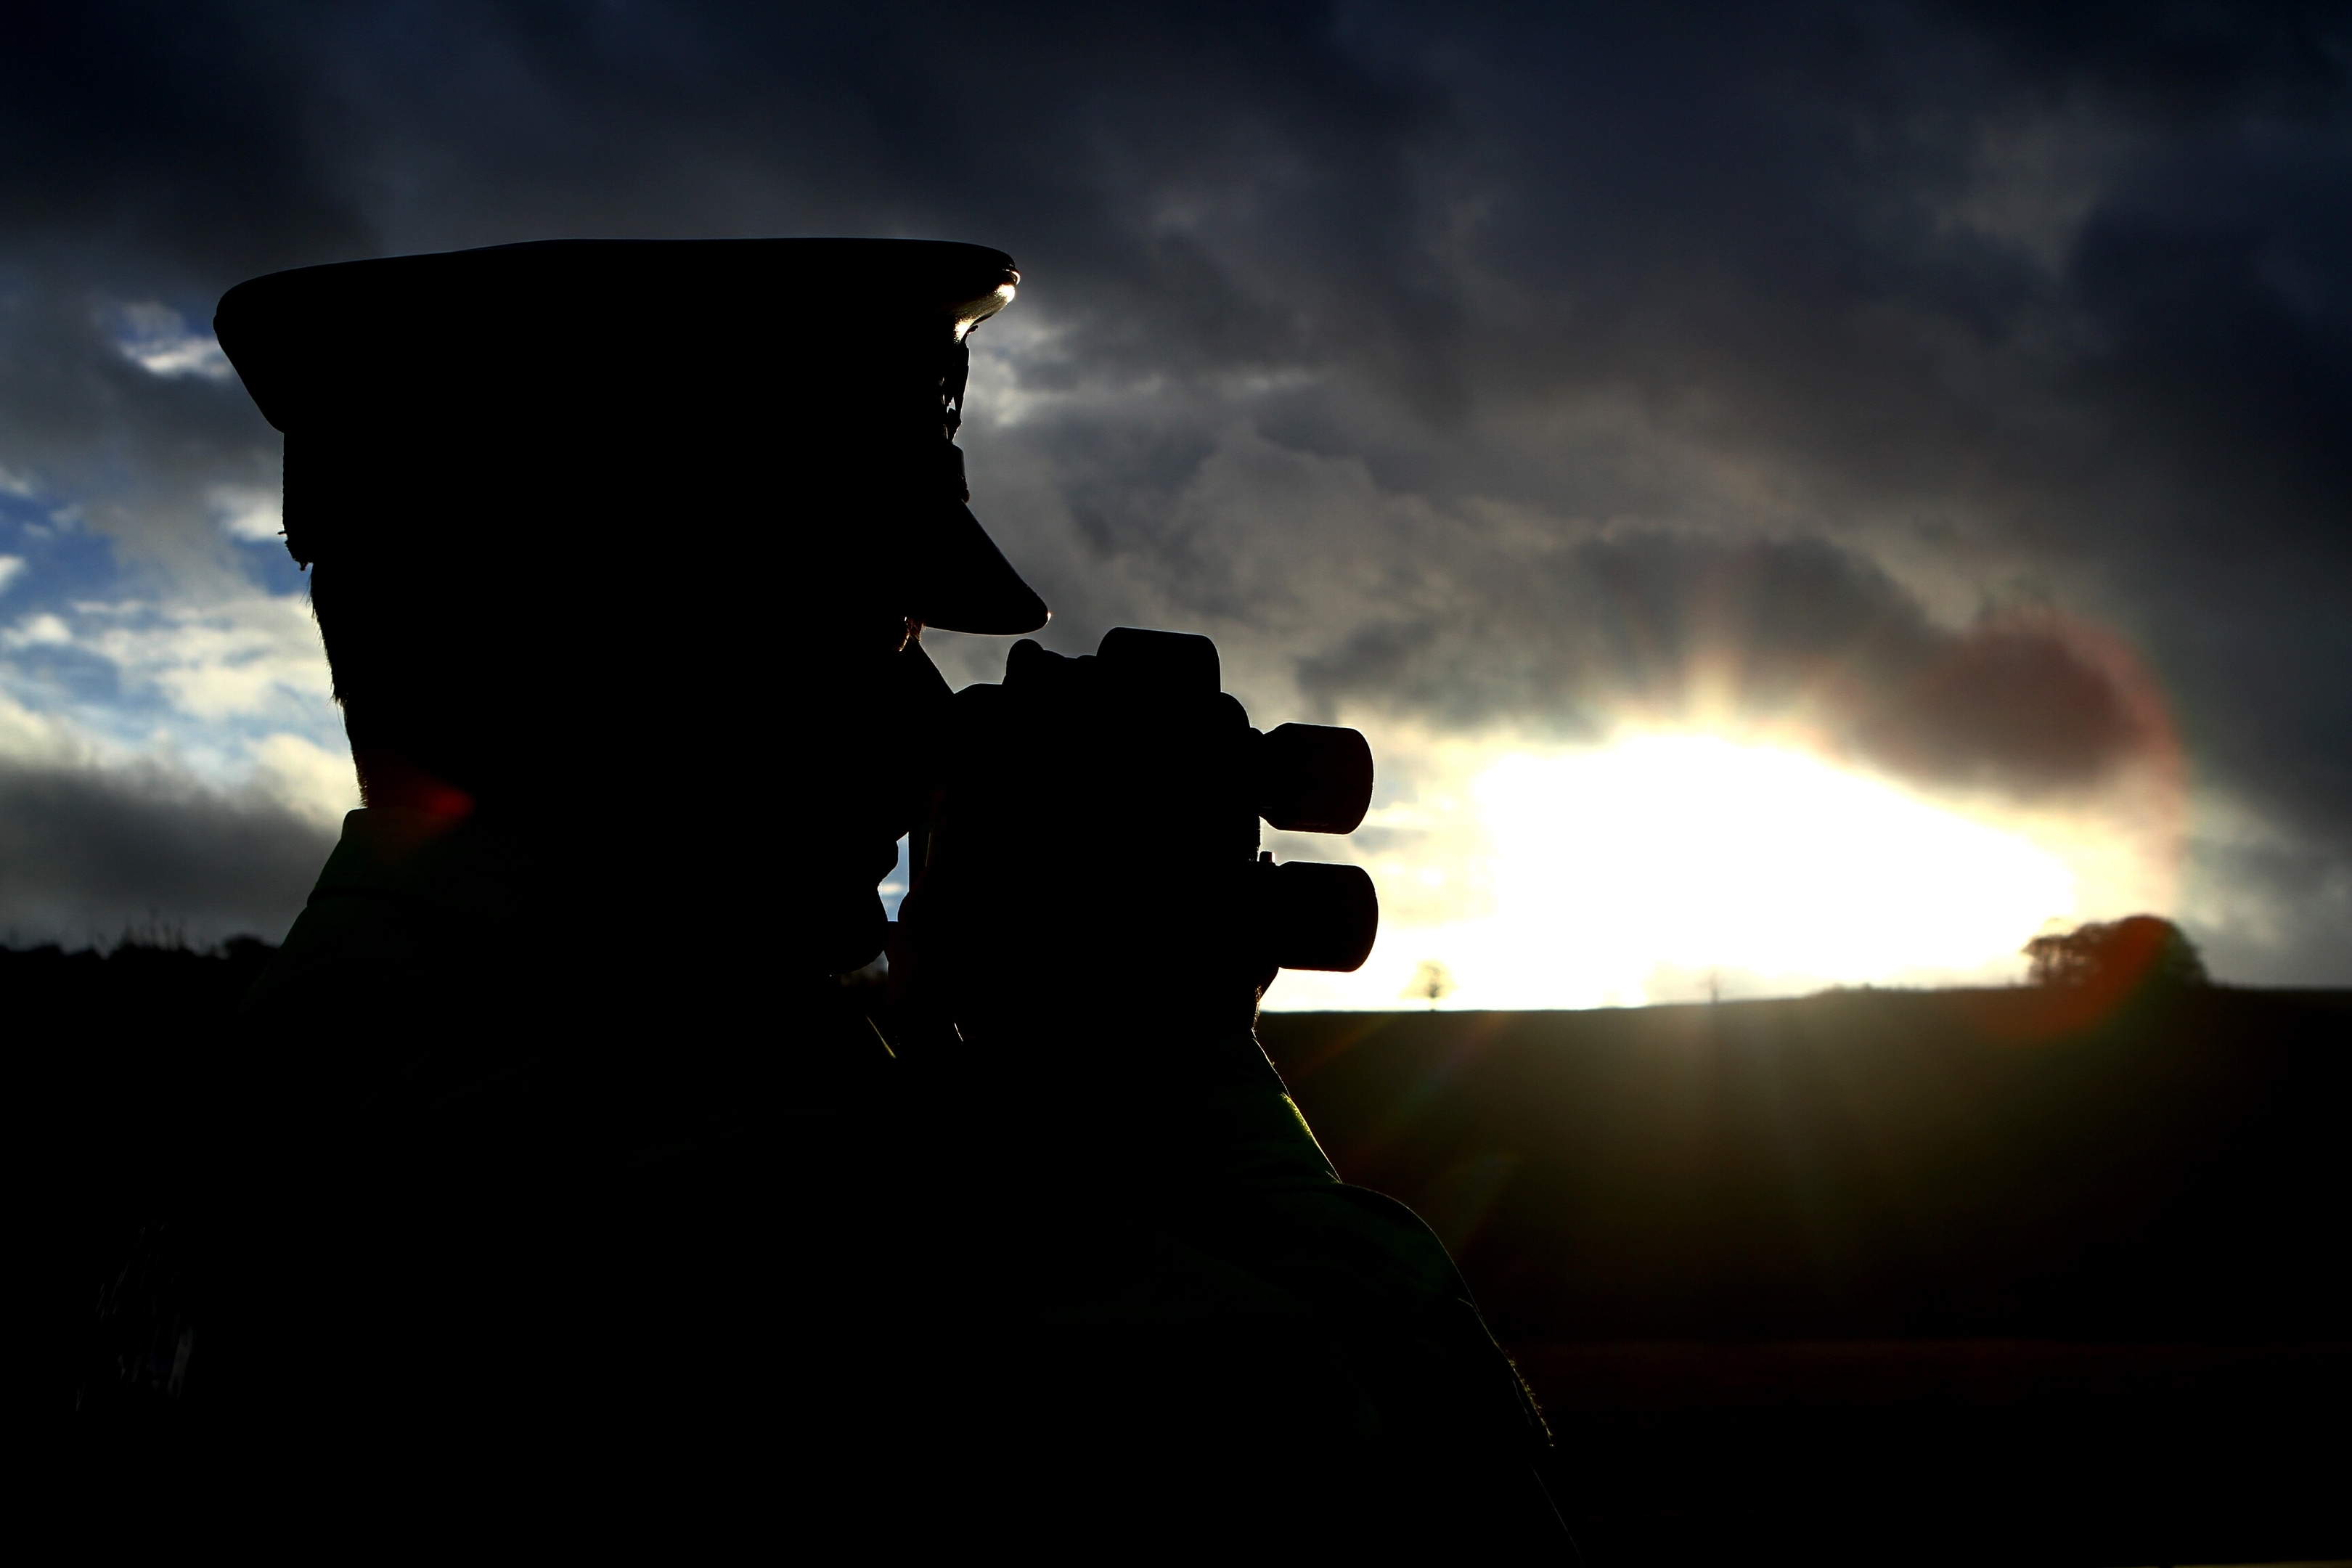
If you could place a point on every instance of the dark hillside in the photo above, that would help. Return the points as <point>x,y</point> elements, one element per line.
<point>1868,1276</point>
<point>1863,1162</point>
<point>106,1060</point>
<point>1895,1276</point>
<point>106,1055</point>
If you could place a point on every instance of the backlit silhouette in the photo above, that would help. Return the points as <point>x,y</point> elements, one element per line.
<point>494,1210</point>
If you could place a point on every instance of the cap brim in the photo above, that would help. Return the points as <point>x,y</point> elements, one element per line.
<point>963,583</point>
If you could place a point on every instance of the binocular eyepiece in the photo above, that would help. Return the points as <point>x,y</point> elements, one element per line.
<point>1178,758</point>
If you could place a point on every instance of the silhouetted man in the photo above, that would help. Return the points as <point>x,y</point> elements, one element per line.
<point>562,1155</point>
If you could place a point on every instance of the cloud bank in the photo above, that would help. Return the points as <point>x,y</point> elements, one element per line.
<point>1965,389</point>
<point>94,854</point>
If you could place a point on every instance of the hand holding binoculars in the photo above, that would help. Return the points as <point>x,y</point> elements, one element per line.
<point>1139,743</point>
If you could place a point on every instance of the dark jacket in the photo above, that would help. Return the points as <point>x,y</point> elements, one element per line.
<point>510,1206</point>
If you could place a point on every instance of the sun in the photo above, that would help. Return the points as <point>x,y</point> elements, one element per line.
<point>1666,867</point>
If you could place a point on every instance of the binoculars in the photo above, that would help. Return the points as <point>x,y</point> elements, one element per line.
<point>1142,737</point>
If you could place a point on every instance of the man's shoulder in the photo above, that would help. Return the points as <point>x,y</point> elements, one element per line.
<point>407,904</point>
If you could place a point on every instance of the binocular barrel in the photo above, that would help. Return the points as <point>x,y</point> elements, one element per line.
<point>1313,778</point>
<point>1160,696</point>
<point>1315,915</point>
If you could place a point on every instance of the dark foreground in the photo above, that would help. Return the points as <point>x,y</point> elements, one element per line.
<point>1878,1276</point>
<point>1863,1277</point>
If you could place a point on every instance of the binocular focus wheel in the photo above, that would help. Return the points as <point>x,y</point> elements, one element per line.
<point>1163,661</point>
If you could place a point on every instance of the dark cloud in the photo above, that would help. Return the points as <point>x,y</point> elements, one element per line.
<point>159,140</point>
<point>1801,634</point>
<point>1784,336</point>
<point>86,854</point>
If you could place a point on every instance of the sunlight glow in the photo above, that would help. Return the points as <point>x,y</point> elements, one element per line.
<point>1664,867</point>
<point>1695,853</point>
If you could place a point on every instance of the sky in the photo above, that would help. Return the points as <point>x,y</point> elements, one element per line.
<point>1797,494</point>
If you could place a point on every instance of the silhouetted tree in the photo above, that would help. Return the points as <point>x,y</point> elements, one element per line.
<point>1431,982</point>
<point>2132,951</point>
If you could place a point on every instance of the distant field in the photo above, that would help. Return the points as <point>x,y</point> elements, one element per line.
<point>1870,1277</point>
<point>1889,1276</point>
<point>1923,1163</point>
